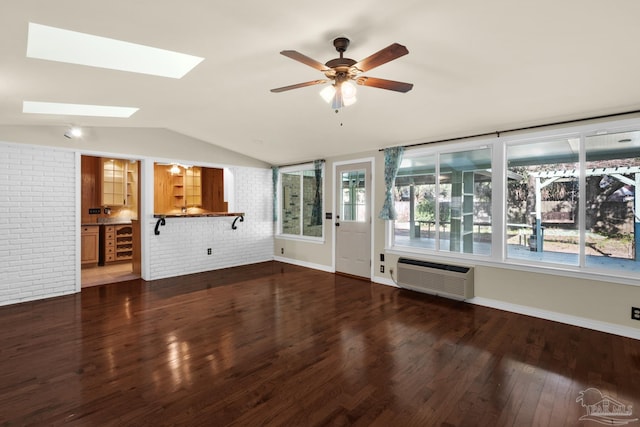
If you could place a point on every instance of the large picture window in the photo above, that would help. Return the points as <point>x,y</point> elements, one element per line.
<point>546,220</point>
<point>443,201</point>
<point>300,201</point>
<point>568,202</point>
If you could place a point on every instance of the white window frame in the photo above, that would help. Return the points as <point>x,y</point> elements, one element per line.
<point>498,256</point>
<point>299,168</point>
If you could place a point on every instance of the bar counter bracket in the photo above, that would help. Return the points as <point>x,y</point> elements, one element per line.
<point>162,218</point>
<point>161,221</point>
<point>239,217</point>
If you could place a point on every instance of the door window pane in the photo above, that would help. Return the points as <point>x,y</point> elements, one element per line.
<point>353,202</point>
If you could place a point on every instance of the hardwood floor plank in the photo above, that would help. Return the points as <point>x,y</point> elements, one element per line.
<point>276,344</point>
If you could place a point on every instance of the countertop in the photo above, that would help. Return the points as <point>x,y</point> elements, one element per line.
<point>198,215</point>
<point>86,224</point>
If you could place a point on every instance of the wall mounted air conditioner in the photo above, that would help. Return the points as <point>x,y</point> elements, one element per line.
<point>451,281</point>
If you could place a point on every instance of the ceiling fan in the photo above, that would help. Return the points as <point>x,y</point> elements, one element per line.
<point>343,71</point>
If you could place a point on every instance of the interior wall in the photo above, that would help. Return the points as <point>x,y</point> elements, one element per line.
<point>37,223</point>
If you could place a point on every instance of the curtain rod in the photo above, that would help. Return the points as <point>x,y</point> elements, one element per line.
<point>497,133</point>
<point>296,164</point>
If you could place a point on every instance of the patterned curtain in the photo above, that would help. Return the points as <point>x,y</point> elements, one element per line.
<point>275,170</point>
<point>392,160</point>
<point>316,213</point>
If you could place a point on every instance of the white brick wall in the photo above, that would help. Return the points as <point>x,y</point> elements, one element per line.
<point>38,226</point>
<point>37,223</point>
<point>181,247</point>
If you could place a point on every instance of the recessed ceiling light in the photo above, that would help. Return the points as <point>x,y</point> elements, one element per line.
<point>35,107</point>
<point>73,132</point>
<point>57,44</point>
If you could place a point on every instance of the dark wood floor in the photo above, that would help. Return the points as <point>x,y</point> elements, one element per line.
<point>276,344</point>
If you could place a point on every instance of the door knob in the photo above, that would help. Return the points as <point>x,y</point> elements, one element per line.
<point>337,224</point>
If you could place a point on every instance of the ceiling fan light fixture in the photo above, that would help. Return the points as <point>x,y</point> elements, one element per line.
<point>337,101</point>
<point>348,91</point>
<point>328,93</point>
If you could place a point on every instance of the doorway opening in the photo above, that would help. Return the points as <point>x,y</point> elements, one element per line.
<point>110,228</point>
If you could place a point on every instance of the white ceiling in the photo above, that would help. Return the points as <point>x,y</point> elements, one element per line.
<point>476,67</point>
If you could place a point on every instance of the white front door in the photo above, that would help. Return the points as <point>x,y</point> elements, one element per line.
<point>353,219</point>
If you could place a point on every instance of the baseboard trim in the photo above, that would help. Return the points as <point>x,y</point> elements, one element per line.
<point>610,328</point>
<point>299,263</point>
<point>384,281</point>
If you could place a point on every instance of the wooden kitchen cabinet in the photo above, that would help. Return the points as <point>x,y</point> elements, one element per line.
<point>118,242</point>
<point>113,182</point>
<point>109,242</point>
<point>196,187</point>
<point>124,242</point>
<point>89,244</point>
<point>119,182</point>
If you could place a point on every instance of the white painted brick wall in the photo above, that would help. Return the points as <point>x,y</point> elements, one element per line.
<point>37,223</point>
<point>38,229</point>
<point>181,247</point>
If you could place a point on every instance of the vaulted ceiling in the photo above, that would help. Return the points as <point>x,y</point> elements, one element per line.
<point>476,67</point>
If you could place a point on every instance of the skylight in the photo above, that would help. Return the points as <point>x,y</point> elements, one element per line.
<point>77,109</point>
<point>56,44</point>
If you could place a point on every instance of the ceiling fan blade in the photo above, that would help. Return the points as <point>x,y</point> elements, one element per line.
<point>299,85</point>
<point>304,59</point>
<point>384,84</point>
<point>383,56</point>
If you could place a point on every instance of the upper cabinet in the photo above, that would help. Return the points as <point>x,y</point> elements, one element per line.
<point>119,182</point>
<point>192,189</point>
<point>110,189</point>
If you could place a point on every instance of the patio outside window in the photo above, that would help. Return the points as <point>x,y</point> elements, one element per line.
<point>542,201</point>
<point>570,202</point>
<point>612,217</point>
<point>451,213</point>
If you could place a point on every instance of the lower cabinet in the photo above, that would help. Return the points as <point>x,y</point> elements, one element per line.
<point>124,242</point>
<point>89,244</point>
<point>118,243</point>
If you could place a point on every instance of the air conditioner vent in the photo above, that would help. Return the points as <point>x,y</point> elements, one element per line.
<point>451,281</point>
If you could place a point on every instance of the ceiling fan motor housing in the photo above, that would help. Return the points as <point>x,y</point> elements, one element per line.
<point>341,44</point>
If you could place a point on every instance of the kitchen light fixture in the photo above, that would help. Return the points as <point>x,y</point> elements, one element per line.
<point>37,107</point>
<point>57,44</point>
<point>175,169</point>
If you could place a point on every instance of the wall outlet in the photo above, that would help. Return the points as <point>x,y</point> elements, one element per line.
<point>281,251</point>
<point>382,269</point>
<point>635,313</point>
<point>208,251</point>
<point>381,257</point>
